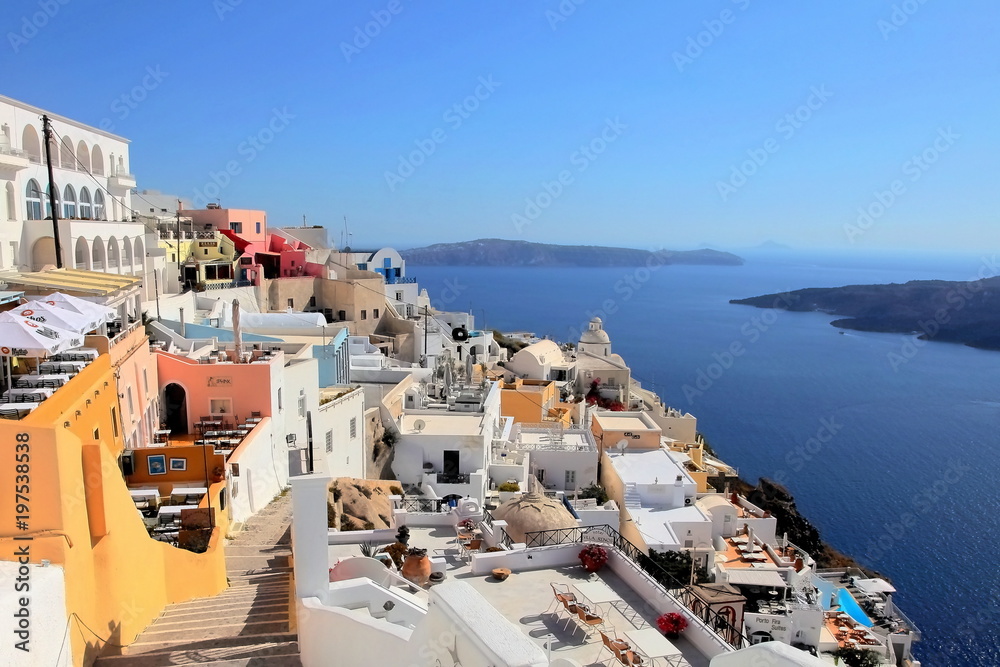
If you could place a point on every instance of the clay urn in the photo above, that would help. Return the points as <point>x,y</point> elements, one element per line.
<point>417,566</point>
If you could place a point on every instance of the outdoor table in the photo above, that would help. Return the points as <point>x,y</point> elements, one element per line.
<point>596,592</point>
<point>190,494</point>
<point>147,496</point>
<point>652,644</point>
<point>16,410</point>
<point>34,380</point>
<point>161,434</point>
<point>79,354</point>
<point>30,395</point>
<point>61,366</point>
<point>172,512</point>
<point>254,420</point>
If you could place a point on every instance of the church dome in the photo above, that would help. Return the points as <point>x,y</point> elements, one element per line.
<point>595,334</point>
<point>532,512</point>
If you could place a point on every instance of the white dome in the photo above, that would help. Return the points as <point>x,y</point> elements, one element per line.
<point>595,337</point>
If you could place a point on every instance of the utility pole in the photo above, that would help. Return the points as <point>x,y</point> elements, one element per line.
<point>47,136</point>
<point>425,336</point>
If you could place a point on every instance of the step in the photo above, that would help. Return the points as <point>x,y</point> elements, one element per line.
<point>237,596</point>
<point>178,625</point>
<point>208,604</point>
<point>251,647</point>
<point>219,635</point>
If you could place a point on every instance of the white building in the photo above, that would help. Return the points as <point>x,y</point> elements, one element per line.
<point>93,198</point>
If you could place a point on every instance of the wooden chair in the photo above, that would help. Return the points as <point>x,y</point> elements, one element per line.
<point>615,645</point>
<point>470,547</point>
<point>588,620</point>
<point>571,609</point>
<point>559,597</point>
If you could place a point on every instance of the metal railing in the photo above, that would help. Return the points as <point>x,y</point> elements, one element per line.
<point>424,505</point>
<point>683,593</point>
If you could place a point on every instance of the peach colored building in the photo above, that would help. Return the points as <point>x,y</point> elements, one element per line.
<point>248,224</point>
<point>635,428</point>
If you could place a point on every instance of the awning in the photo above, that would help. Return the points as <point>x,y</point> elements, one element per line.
<point>239,242</point>
<point>871,586</point>
<point>753,577</point>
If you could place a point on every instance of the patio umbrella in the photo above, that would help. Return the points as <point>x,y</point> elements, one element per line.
<point>54,316</point>
<point>237,334</point>
<point>97,313</point>
<point>21,337</point>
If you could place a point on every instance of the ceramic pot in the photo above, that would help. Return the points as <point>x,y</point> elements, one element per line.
<point>417,566</point>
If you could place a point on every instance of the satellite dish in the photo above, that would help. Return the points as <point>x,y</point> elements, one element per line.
<point>418,425</point>
<point>621,445</point>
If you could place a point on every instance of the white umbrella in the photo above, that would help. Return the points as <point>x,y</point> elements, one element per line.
<point>54,316</point>
<point>21,337</point>
<point>99,314</point>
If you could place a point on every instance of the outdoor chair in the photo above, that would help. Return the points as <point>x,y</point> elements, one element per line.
<point>559,597</point>
<point>615,645</point>
<point>588,620</point>
<point>470,547</point>
<point>571,609</point>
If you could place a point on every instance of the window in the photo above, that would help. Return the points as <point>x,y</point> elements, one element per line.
<point>11,202</point>
<point>354,427</point>
<point>375,313</point>
<point>236,227</point>
<point>688,544</point>
<point>312,302</point>
<point>33,198</point>
<point>145,380</point>
<point>85,203</point>
<point>302,404</point>
<point>329,442</point>
<point>114,423</point>
<point>279,398</point>
<point>69,199</point>
<point>258,228</point>
<point>220,406</point>
<point>291,303</point>
<point>131,407</point>
<point>364,314</point>
<point>206,251</point>
<point>98,204</point>
<point>570,479</point>
<point>399,296</point>
<point>48,203</point>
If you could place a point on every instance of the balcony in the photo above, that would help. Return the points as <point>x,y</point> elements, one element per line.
<point>13,160</point>
<point>121,181</point>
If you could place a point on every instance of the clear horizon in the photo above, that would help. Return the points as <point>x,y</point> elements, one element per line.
<point>724,124</point>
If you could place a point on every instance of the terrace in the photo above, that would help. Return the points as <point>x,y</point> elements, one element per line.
<point>526,597</point>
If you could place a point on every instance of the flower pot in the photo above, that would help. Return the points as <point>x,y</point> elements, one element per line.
<point>417,567</point>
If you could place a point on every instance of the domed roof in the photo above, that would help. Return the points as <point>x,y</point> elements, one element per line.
<point>595,337</point>
<point>532,512</point>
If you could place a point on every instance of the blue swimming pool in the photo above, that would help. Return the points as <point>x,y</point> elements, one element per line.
<point>850,606</point>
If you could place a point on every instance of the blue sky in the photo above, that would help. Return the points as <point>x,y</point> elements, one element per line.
<point>646,124</point>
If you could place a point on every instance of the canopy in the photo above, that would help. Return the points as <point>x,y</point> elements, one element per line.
<point>874,586</point>
<point>97,313</point>
<point>54,316</point>
<point>21,337</point>
<point>754,577</point>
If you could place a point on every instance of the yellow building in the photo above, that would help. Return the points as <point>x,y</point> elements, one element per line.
<point>533,402</point>
<point>201,256</point>
<point>75,522</point>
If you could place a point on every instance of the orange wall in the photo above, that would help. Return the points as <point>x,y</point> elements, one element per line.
<point>193,475</point>
<point>118,579</point>
<point>607,438</point>
<point>530,406</point>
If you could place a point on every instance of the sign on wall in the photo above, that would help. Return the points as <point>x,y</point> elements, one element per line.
<point>220,381</point>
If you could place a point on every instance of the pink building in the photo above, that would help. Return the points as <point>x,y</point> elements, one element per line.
<point>248,224</point>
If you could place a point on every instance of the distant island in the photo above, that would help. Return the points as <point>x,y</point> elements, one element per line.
<point>953,312</point>
<point>501,252</point>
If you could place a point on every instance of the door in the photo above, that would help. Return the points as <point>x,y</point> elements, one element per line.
<point>450,468</point>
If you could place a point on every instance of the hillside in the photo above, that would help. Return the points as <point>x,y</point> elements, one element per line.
<point>500,252</point>
<point>954,312</point>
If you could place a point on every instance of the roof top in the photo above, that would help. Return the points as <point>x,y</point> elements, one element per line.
<point>92,283</point>
<point>652,466</point>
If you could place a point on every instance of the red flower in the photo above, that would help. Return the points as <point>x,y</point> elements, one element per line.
<point>671,623</point>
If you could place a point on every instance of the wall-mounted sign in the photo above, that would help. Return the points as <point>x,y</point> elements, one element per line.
<point>206,244</point>
<point>597,536</point>
<point>217,381</point>
<point>630,434</point>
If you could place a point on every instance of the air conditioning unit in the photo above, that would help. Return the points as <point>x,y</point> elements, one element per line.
<point>128,463</point>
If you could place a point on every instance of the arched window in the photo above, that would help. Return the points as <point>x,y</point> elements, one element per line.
<point>97,161</point>
<point>69,202</point>
<point>99,205</point>
<point>83,155</point>
<point>11,202</point>
<point>48,202</point>
<point>30,143</point>
<point>33,197</point>
<point>68,157</point>
<point>85,203</point>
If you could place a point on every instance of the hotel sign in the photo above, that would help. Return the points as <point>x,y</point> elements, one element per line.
<point>216,381</point>
<point>597,536</point>
<point>206,244</point>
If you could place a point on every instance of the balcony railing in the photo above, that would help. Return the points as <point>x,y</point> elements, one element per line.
<point>423,505</point>
<point>685,594</point>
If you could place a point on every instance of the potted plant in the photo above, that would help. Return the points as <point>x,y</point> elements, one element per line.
<point>593,557</point>
<point>417,566</point>
<point>671,624</point>
<point>508,490</point>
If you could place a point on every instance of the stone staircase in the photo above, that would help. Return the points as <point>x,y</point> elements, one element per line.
<point>248,625</point>
<point>632,498</point>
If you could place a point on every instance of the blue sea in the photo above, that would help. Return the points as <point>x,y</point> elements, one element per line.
<point>904,483</point>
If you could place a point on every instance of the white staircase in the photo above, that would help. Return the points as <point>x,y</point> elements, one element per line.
<point>632,499</point>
